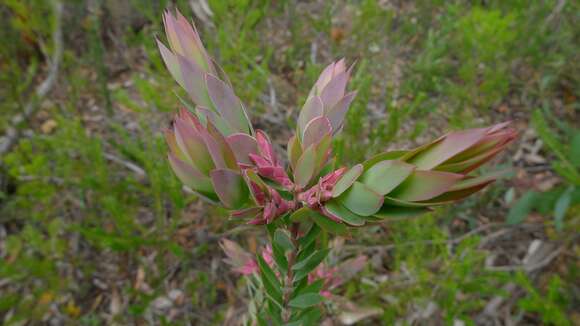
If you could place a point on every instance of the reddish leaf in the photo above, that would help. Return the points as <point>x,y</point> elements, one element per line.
<point>230,187</point>
<point>424,185</point>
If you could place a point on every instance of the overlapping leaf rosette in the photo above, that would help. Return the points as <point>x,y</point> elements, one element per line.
<point>215,151</point>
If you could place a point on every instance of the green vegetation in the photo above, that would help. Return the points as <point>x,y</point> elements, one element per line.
<point>95,228</point>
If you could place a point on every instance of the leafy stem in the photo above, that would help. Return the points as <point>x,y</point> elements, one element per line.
<point>288,287</point>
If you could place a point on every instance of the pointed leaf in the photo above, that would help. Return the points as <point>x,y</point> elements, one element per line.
<point>193,81</point>
<point>313,108</point>
<point>455,195</point>
<point>347,180</point>
<point>220,145</point>
<point>227,104</point>
<point>322,153</point>
<point>294,151</point>
<point>314,287</point>
<point>172,144</point>
<point>190,42</point>
<point>453,144</point>
<point>315,130</point>
<point>271,282</point>
<point>191,143</point>
<point>171,62</point>
<point>471,163</point>
<point>205,115</point>
<point>424,185</point>
<point>394,155</point>
<point>334,90</point>
<point>522,208</point>
<point>304,267</point>
<point>561,207</point>
<point>323,79</point>
<point>312,261</point>
<point>310,236</point>
<point>337,114</point>
<point>282,239</point>
<point>280,258</point>
<point>306,300</point>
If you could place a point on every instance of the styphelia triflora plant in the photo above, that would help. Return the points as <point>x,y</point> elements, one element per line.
<point>215,151</point>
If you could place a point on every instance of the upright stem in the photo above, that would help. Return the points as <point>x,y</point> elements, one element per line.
<point>286,313</point>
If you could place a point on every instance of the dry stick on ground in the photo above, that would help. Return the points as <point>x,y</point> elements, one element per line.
<point>454,241</point>
<point>13,132</point>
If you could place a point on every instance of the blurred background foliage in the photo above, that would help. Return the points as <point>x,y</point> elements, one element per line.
<point>95,229</point>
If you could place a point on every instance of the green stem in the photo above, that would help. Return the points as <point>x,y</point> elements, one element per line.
<point>288,286</point>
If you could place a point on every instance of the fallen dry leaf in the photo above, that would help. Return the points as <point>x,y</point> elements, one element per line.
<point>48,126</point>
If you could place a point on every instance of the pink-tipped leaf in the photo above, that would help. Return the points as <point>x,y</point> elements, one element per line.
<point>424,185</point>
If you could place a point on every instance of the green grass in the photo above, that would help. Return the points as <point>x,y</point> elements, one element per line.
<point>75,218</point>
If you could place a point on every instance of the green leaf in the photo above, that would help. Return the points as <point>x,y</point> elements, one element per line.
<point>565,167</point>
<point>305,167</point>
<point>347,180</point>
<point>311,316</point>
<point>274,313</point>
<point>327,224</point>
<point>306,300</point>
<point>522,208</point>
<point>294,151</point>
<point>313,259</point>
<point>230,187</point>
<point>270,281</point>
<point>335,208</point>
<point>385,176</point>
<point>310,236</point>
<point>388,211</point>
<point>309,264</point>
<point>301,215</point>
<point>314,287</point>
<point>305,252</point>
<point>382,157</point>
<point>294,323</point>
<point>425,185</point>
<point>561,208</point>
<point>361,200</point>
<point>282,239</point>
<point>575,150</point>
<point>280,258</point>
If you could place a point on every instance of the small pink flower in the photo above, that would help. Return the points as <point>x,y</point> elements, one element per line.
<point>322,191</point>
<point>241,261</point>
<point>268,255</point>
<point>267,165</point>
<point>271,204</point>
<point>330,277</point>
<point>249,268</point>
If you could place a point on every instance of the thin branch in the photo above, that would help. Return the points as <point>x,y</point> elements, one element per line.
<point>13,133</point>
<point>139,171</point>
<point>559,6</point>
<point>529,267</point>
